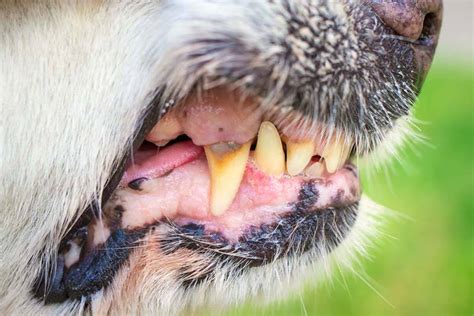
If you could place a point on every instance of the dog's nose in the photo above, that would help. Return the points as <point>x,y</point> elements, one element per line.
<point>414,19</point>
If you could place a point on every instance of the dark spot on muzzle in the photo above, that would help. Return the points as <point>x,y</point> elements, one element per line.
<point>136,184</point>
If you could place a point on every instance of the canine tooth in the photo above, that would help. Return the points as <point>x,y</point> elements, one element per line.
<point>298,156</point>
<point>335,154</point>
<point>227,163</point>
<point>269,155</point>
<point>316,170</point>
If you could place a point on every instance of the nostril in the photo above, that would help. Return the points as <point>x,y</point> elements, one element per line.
<point>417,20</point>
<point>430,30</point>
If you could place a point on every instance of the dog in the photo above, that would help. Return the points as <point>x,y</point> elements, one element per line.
<point>159,156</point>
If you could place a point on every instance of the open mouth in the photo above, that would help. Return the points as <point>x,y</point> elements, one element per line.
<point>224,176</point>
<point>215,161</point>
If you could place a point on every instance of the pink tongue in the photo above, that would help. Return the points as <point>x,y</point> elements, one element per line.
<point>150,164</point>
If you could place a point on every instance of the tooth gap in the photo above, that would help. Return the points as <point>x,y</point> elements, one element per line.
<point>316,158</point>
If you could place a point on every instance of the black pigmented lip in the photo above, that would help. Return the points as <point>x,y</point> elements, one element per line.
<point>94,271</point>
<point>295,232</point>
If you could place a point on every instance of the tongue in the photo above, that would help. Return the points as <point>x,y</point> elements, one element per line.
<point>152,163</point>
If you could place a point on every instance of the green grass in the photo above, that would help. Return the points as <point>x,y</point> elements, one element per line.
<point>428,268</point>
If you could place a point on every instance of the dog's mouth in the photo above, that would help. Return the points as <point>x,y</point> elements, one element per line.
<point>215,160</point>
<point>222,176</point>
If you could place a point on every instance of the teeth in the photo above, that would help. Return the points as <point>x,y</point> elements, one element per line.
<point>336,153</point>
<point>269,155</point>
<point>316,170</point>
<point>168,128</point>
<point>227,163</point>
<point>298,156</point>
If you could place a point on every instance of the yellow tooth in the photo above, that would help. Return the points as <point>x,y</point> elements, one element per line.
<point>269,155</point>
<point>316,170</point>
<point>227,163</point>
<point>335,154</point>
<point>298,155</point>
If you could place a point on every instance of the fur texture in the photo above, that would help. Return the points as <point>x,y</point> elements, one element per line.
<point>77,78</point>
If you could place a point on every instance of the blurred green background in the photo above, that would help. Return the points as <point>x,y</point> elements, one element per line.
<point>427,268</point>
